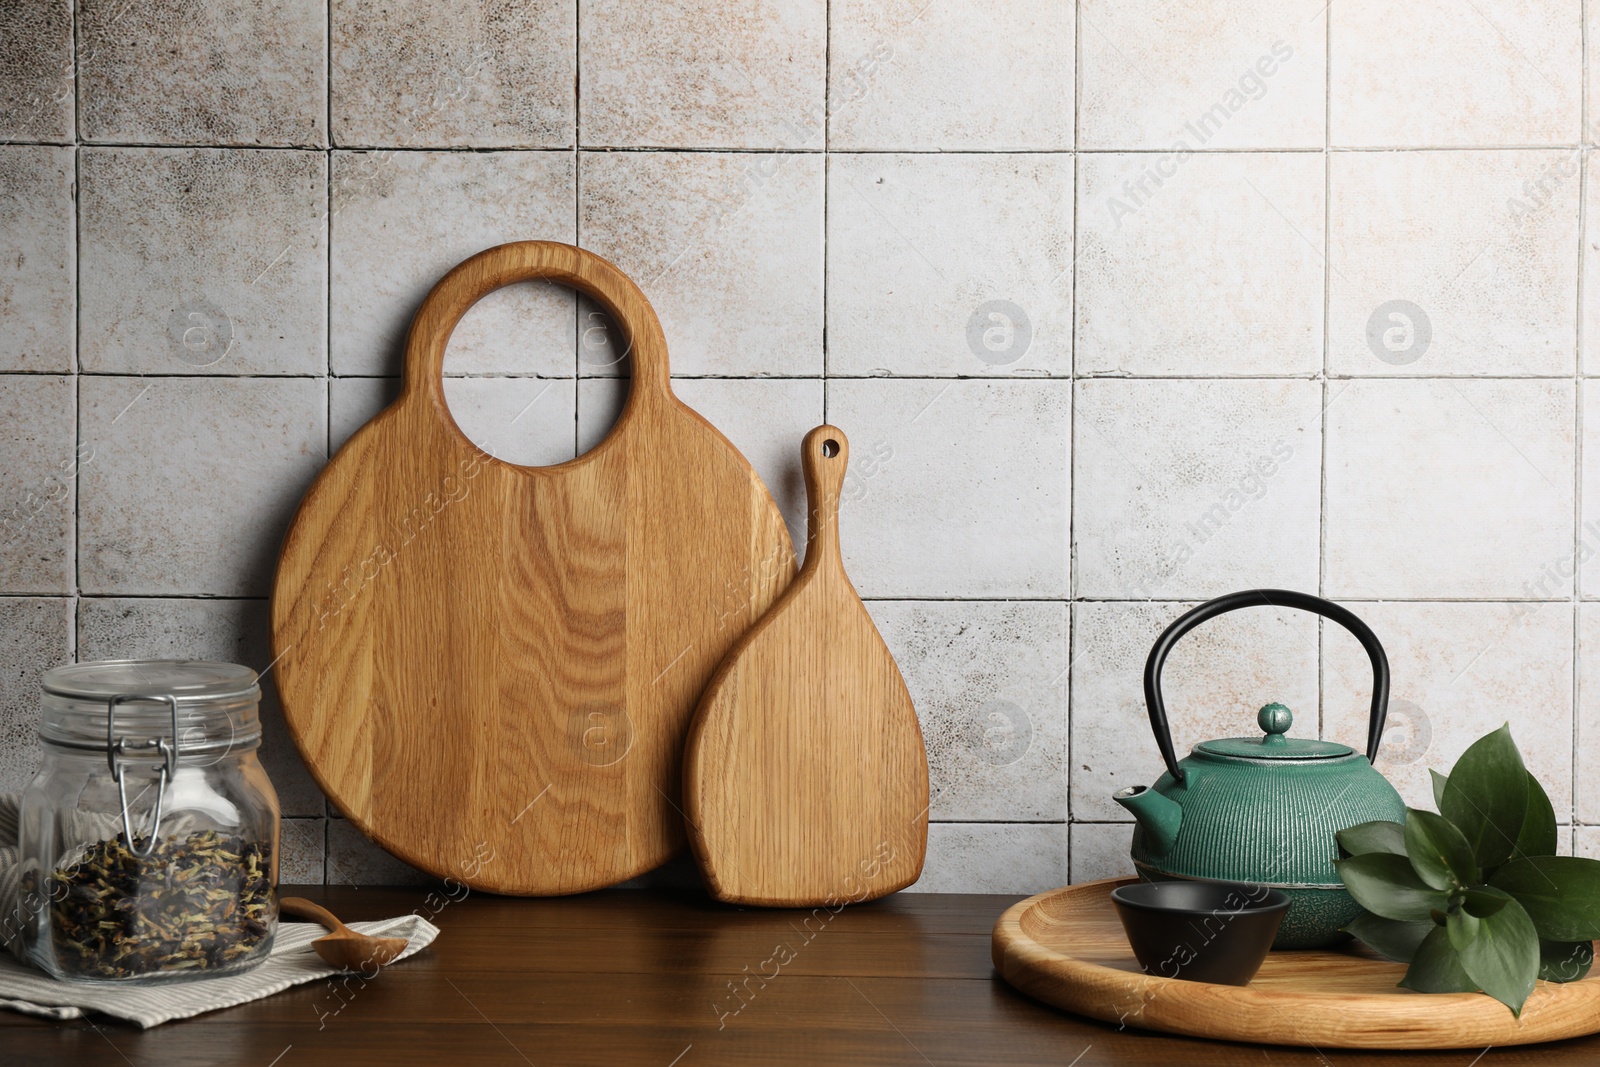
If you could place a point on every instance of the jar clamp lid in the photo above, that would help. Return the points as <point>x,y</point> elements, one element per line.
<point>168,709</point>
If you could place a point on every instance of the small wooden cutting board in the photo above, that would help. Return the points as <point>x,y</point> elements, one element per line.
<point>805,777</point>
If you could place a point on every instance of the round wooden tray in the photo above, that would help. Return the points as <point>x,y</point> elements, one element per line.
<point>1067,948</point>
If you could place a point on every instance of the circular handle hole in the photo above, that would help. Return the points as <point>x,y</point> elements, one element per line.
<point>509,373</point>
<point>830,448</point>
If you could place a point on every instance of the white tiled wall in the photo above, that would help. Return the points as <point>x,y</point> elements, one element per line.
<point>1125,304</point>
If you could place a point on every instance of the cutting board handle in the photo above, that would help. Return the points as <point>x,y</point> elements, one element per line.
<point>524,261</point>
<point>825,454</point>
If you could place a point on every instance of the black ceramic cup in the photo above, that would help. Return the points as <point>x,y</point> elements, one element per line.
<point>1200,931</point>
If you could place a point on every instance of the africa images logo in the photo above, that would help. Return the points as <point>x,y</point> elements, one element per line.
<point>1251,85</point>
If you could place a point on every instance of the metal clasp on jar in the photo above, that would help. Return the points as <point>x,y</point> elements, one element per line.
<point>118,747</point>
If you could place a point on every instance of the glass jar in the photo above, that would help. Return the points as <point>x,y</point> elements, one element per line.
<point>149,837</point>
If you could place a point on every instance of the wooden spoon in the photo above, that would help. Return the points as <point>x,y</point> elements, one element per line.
<point>344,948</point>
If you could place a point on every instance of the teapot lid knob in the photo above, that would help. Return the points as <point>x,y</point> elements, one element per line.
<point>1275,719</point>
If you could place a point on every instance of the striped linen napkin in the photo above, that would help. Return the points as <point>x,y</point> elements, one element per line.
<point>289,962</point>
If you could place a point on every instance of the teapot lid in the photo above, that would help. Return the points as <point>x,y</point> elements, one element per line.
<point>1275,719</point>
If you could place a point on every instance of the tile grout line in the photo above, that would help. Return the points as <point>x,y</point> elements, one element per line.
<point>1072,341</point>
<point>991,598</point>
<point>74,363</point>
<point>77,97</point>
<point>327,84</point>
<point>77,355</point>
<point>1578,391</point>
<point>827,168</point>
<point>1576,591</point>
<point>792,150</point>
<point>1327,341</point>
<point>1072,421</point>
<point>327,291</point>
<point>1016,378</point>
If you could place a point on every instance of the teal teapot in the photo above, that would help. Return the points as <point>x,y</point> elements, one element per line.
<point>1265,809</point>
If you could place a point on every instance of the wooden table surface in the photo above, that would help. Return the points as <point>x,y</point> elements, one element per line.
<point>673,980</point>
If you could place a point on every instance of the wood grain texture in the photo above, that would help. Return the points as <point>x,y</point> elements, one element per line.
<point>490,669</point>
<point>805,777</point>
<point>1067,948</point>
<point>631,977</point>
<point>643,977</point>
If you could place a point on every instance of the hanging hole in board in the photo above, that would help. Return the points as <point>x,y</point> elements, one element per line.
<point>830,448</point>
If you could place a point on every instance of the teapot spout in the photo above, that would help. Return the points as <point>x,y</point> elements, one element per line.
<point>1159,815</point>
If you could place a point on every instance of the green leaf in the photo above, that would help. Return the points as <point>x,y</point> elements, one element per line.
<point>1482,901</point>
<point>1565,961</point>
<point>1436,968</point>
<point>1538,836</point>
<point>1561,894</point>
<point>1487,796</point>
<point>1389,938</point>
<point>1499,952</point>
<point>1378,836</point>
<point>1387,886</point>
<point>1439,781</point>
<point>1439,854</point>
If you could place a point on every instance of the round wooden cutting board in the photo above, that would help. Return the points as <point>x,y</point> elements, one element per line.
<point>489,668</point>
<point>1067,948</point>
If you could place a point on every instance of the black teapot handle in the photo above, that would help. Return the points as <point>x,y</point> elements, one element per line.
<point>1258,598</point>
